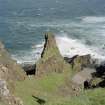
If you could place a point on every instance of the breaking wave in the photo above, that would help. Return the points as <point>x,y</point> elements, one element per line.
<point>70,47</point>
<point>80,36</point>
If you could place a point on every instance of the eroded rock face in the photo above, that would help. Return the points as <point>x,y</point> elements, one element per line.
<point>15,72</point>
<point>83,76</point>
<point>10,72</point>
<point>50,46</point>
<point>51,60</point>
<point>4,92</point>
<point>6,96</point>
<point>80,62</point>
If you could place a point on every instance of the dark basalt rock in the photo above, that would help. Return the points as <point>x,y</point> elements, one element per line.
<point>29,69</point>
<point>98,79</point>
<point>100,71</point>
<point>70,60</point>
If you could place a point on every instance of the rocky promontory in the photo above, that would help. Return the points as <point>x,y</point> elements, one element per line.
<point>51,59</point>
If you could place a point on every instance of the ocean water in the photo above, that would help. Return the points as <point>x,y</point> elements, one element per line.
<point>79,27</point>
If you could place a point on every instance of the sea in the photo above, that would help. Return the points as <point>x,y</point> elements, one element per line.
<point>78,26</point>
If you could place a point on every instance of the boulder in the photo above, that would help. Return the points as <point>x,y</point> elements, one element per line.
<point>83,77</point>
<point>98,79</point>
<point>29,69</point>
<point>80,62</point>
<point>51,59</point>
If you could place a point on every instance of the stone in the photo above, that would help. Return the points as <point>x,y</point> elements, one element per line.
<point>82,76</point>
<point>80,62</point>
<point>51,59</point>
<point>4,92</point>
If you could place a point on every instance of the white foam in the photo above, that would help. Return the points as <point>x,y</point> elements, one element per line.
<point>68,48</point>
<point>38,46</point>
<point>29,56</point>
<point>71,47</point>
<point>93,19</point>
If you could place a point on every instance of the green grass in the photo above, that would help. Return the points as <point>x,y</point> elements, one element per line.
<point>43,87</point>
<point>1,103</point>
<point>50,83</point>
<point>46,88</point>
<point>96,96</point>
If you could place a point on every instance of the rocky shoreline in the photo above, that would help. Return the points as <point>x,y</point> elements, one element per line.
<point>85,73</point>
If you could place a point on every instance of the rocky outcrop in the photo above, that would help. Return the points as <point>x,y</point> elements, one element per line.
<point>51,60</point>
<point>83,68</point>
<point>15,72</point>
<point>10,72</point>
<point>83,77</point>
<point>98,79</point>
<point>80,62</point>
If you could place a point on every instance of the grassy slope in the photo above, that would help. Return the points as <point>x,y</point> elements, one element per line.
<point>1,103</point>
<point>46,89</point>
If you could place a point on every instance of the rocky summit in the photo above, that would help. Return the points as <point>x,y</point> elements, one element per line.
<point>51,59</point>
